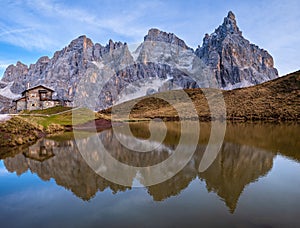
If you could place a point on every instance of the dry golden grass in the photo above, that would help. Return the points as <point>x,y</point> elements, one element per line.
<point>278,99</point>
<point>18,131</point>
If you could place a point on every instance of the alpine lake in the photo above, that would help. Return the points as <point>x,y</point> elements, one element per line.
<point>253,180</point>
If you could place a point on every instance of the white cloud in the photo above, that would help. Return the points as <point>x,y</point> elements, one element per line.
<point>3,172</point>
<point>14,31</point>
<point>3,66</point>
<point>49,25</point>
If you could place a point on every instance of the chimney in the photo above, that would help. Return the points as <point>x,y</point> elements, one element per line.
<point>28,85</point>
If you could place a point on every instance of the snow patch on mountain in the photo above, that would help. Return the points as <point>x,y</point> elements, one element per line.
<point>6,92</point>
<point>241,84</point>
<point>144,87</point>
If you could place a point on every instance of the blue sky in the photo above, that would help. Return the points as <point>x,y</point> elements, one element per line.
<point>33,28</point>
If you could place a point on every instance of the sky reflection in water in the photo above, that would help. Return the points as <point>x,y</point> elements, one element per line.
<point>253,182</point>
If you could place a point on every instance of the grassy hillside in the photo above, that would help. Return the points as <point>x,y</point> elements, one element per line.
<point>18,131</point>
<point>278,99</point>
<point>27,127</point>
<point>48,111</point>
<point>63,116</point>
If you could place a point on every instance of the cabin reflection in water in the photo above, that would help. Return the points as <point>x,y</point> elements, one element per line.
<point>241,161</point>
<point>40,151</point>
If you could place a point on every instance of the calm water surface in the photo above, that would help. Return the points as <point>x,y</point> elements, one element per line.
<point>253,182</point>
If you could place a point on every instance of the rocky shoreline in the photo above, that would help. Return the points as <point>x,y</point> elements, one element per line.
<point>18,131</point>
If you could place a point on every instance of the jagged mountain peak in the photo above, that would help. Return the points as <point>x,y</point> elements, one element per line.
<point>15,72</point>
<point>230,23</point>
<point>82,42</point>
<point>231,15</point>
<point>19,63</point>
<point>114,45</point>
<point>235,62</point>
<point>43,59</point>
<point>228,27</point>
<point>157,35</point>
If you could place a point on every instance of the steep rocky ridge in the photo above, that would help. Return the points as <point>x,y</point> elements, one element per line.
<point>235,61</point>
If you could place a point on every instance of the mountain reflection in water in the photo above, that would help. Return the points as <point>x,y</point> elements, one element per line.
<point>246,155</point>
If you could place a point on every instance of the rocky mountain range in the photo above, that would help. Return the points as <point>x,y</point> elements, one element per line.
<point>106,75</point>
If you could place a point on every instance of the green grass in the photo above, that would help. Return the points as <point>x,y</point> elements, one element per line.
<point>27,128</point>
<point>73,117</point>
<point>48,111</point>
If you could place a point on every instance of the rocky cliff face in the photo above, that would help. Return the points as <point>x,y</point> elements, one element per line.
<point>162,62</point>
<point>5,104</point>
<point>234,61</point>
